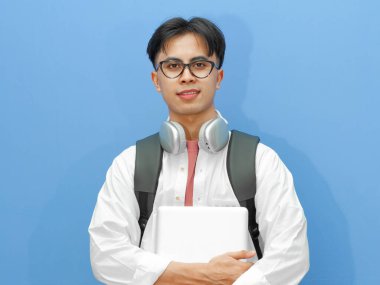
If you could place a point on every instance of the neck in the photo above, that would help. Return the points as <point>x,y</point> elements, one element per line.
<point>192,123</point>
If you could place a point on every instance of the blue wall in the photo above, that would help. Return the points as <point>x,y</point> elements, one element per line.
<point>75,91</point>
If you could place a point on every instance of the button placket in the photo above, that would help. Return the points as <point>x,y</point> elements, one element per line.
<point>199,179</point>
<point>180,185</point>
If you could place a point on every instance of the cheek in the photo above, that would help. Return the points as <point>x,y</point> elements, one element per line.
<point>212,85</point>
<point>168,90</point>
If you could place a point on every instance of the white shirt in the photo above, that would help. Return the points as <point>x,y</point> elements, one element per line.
<point>115,232</point>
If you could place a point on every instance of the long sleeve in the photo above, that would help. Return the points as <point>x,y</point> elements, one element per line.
<point>282,225</point>
<point>115,232</point>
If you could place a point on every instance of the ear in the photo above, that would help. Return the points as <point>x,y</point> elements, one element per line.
<point>220,78</point>
<point>154,77</point>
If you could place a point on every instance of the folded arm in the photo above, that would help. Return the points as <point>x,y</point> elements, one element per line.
<point>282,225</point>
<point>221,270</point>
<point>115,232</point>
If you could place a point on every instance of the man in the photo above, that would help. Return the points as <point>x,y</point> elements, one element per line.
<point>187,57</point>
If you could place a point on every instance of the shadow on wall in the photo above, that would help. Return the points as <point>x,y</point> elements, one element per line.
<point>331,260</point>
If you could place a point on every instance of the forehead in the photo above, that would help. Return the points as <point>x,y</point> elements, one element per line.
<point>184,47</point>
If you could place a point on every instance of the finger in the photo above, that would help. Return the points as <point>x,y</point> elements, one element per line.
<point>241,254</point>
<point>249,263</point>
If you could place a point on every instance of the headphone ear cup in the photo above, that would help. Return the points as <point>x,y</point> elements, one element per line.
<point>172,137</point>
<point>213,135</point>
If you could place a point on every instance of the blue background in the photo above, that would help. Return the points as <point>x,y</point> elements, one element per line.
<point>75,91</point>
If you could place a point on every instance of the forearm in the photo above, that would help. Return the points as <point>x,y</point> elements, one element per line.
<point>221,270</point>
<point>184,274</point>
<point>125,264</point>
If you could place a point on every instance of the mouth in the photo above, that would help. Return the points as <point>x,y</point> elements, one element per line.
<point>188,94</point>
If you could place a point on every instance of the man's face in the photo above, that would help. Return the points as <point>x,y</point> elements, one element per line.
<point>187,95</point>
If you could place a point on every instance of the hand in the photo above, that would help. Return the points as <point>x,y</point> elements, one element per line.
<point>225,269</point>
<point>221,270</point>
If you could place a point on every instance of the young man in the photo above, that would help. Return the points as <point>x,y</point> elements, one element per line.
<point>187,57</point>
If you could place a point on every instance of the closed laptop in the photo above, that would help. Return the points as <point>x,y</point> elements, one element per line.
<point>197,234</point>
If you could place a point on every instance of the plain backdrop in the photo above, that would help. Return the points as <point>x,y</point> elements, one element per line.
<point>75,91</point>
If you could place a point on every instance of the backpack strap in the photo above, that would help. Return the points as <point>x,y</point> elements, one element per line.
<point>241,168</point>
<point>147,171</point>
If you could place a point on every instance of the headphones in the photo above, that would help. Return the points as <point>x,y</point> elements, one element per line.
<point>213,136</point>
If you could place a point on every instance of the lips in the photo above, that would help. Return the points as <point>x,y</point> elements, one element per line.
<point>188,94</point>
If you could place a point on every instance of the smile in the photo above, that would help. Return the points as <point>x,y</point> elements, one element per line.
<point>188,94</point>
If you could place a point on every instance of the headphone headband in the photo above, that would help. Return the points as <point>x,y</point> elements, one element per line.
<point>213,136</point>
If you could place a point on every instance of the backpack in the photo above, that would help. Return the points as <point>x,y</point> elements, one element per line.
<point>241,157</point>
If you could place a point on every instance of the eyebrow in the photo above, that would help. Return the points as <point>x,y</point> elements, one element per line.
<point>191,60</point>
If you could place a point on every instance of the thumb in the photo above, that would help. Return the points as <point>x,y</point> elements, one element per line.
<point>241,254</point>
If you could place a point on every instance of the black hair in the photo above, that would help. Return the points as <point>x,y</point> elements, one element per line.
<point>212,35</point>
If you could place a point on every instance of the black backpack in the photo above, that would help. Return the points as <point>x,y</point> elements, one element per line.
<point>241,159</point>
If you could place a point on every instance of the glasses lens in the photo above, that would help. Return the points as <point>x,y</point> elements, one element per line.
<point>172,68</point>
<point>201,68</point>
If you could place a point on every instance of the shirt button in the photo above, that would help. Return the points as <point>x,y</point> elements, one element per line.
<point>178,198</point>
<point>182,168</point>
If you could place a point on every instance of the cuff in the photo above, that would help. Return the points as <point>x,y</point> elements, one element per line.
<point>253,276</point>
<point>151,266</point>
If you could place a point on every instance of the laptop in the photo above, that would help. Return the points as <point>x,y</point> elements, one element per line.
<point>197,234</point>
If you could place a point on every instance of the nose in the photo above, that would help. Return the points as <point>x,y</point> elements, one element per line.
<point>186,75</point>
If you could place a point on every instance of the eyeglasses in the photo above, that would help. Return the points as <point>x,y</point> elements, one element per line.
<point>174,68</point>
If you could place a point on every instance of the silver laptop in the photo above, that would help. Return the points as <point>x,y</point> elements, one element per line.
<point>197,234</point>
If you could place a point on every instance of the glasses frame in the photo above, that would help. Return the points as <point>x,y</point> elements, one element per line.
<point>213,65</point>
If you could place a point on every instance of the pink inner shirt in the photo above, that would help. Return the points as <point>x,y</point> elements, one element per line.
<point>192,151</point>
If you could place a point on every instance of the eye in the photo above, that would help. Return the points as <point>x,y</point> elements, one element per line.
<point>172,65</point>
<point>200,64</point>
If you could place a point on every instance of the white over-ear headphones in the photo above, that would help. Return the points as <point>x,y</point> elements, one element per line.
<point>213,136</point>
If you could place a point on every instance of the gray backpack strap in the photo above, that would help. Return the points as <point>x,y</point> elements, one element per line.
<point>148,165</point>
<point>241,161</point>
